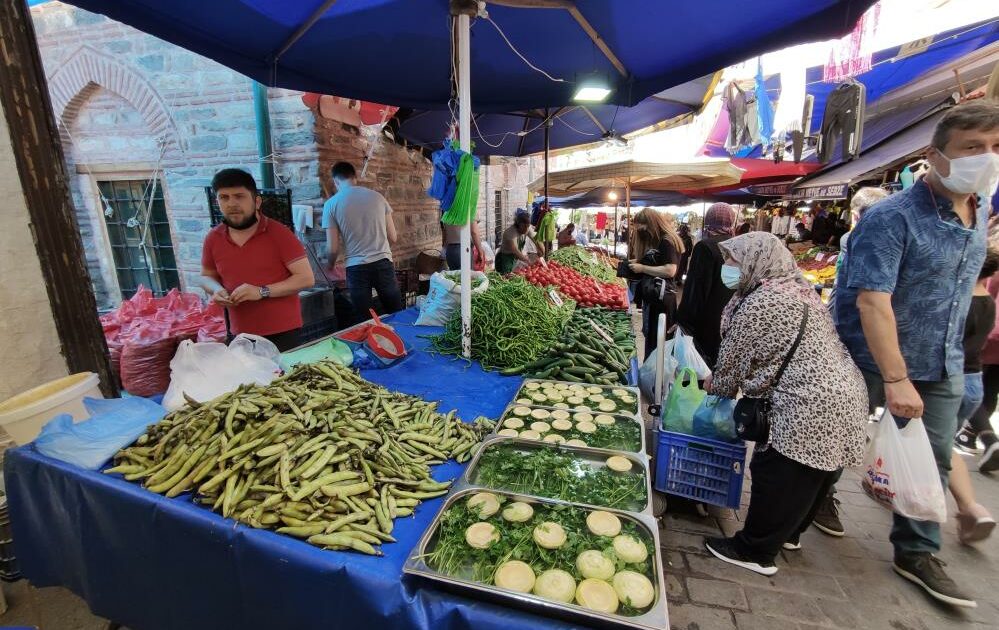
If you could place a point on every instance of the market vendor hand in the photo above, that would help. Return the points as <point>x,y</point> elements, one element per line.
<point>222,298</point>
<point>245,293</point>
<point>707,383</point>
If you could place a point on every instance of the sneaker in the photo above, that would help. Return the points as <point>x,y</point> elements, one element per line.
<point>990,458</point>
<point>966,441</point>
<point>975,525</point>
<point>827,518</point>
<point>926,570</point>
<point>723,549</point>
<point>794,544</point>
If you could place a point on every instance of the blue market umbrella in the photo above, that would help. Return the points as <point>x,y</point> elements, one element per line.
<point>399,52</point>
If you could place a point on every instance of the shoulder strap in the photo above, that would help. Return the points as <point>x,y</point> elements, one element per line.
<point>794,347</point>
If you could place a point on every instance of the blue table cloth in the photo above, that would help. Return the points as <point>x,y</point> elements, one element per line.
<point>154,563</point>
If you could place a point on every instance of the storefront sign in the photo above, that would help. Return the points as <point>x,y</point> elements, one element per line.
<point>832,191</point>
<point>914,47</point>
<point>770,190</point>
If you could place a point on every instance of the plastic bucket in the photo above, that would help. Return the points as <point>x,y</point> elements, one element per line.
<point>24,415</point>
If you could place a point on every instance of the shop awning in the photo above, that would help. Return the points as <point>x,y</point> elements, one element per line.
<point>658,176</point>
<point>835,183</point>
<point>601,197</point>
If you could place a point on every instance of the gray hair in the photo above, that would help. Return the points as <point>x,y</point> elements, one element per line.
<point>864,199</point>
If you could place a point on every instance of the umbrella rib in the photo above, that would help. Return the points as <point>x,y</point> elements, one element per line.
<point>594,119</point>
<point>303,29</point>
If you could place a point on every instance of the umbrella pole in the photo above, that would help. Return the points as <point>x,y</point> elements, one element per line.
<point>464,136</point>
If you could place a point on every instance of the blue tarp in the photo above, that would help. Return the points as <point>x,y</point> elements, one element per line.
<point>522,133</point>
<point>155,563</point>
<point>399,51</point>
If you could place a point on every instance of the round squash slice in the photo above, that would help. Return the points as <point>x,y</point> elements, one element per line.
<point>603,523</point>
<point>597,595</point>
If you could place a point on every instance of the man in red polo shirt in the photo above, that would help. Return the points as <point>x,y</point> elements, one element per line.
<point>254,266</point>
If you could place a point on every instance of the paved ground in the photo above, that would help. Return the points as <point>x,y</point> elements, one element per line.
<point>832,582</point>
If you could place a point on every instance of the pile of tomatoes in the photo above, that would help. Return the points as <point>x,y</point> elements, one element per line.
<point>586,291</point>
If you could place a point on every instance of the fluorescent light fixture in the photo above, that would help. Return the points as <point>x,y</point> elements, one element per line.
<point>614,140</point>
<point>593,88</point>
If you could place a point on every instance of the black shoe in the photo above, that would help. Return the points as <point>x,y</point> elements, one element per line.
<point>794,543</point>
<point>990,458</point>
<point>926,570</point>
<point>827,518</point>
<point>966,440</point>
<point>723,549</point>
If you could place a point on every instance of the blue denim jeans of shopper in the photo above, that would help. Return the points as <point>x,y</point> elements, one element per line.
<point>974,394</point>
<point>380,276</point>
<point>941,403</point>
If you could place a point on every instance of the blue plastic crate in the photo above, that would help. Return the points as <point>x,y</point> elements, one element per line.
<point>705,470</point>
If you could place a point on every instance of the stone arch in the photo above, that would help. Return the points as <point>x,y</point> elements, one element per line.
<point>87,70</point>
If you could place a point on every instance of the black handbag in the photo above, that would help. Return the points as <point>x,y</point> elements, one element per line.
<point>752,415</point>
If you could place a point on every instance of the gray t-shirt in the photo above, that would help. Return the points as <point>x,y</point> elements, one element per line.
<point>361,215</point>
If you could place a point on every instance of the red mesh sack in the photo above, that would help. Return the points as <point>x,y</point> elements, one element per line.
<point>145,359</point>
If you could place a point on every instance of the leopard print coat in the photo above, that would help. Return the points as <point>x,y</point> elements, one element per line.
<point>819,409</point>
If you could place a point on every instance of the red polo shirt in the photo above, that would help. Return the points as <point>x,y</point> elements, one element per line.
<point>262,260</point>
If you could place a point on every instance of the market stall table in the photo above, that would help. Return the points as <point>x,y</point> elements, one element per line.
<point>150,562</point>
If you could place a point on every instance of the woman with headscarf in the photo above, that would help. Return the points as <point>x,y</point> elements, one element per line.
<point>817,408</point>
<point>704,295</point>
<point>654,250</point>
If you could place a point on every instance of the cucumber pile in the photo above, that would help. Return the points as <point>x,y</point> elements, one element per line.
<point>583,355</point>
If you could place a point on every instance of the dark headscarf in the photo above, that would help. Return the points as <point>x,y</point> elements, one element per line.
<point>719,220</point>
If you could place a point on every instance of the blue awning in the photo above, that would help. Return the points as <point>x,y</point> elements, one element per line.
<point>398,52</point>
<point>522,133</point>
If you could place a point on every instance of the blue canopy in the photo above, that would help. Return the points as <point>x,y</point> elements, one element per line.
<point>522,133</point>
<point>399,51</point>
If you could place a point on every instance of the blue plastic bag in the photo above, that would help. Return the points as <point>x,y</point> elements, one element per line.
<point>713,418</point>
<point>113,424</point>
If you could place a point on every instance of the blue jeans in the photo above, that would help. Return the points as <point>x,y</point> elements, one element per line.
<point>941,404</point>
<point>378,275</point>
<point>974,394</point>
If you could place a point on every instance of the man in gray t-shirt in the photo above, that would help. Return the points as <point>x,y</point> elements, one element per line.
<point>358,223</point>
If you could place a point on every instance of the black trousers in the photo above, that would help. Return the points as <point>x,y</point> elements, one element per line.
<point>380,276</point>
<point>979,421</point>
<point>784,499</point>
<point>283,340</point>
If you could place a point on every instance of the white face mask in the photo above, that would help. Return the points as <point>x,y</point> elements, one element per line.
<point>972,174</point>
<point>731,276</point>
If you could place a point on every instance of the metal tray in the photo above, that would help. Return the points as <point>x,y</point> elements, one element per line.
<point>591,457</point>
<point>656,618</point>
<point>617,417</point>
<point>634,410</point>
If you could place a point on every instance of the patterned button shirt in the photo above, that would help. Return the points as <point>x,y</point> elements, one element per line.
<point>913,246</point>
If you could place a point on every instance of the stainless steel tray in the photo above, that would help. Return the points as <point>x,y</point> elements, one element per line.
<point>617,417</point>
<point>632,409</point>
<point>593,458</point>
<point>656,618</point>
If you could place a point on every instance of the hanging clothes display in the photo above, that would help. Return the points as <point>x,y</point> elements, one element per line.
<point>851,55</point>
<point>744,123</point>
<point>844,117</point>
<point>601,222</point>
<point>764,108</point>
<point>790,110</point>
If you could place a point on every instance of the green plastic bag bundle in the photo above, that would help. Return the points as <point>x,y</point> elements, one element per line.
<point>682,402</point>
<point>466,196</point>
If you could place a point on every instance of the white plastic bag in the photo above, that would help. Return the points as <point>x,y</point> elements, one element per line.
<point>901,472</point>
<point>206,370</point>
<point>681,347</point>
<point>444,297</point>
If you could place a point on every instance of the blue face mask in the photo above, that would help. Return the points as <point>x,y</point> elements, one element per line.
<point>731,276</point>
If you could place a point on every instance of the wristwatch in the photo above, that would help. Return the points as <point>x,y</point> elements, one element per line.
<point>265,291</point>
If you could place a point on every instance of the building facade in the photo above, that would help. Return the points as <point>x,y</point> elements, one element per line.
<point>145,124</point>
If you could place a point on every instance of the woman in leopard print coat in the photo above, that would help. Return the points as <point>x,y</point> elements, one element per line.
<point>818,409</point>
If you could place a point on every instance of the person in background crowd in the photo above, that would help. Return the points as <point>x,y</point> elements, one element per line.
<point>565,236</point>
<point>904,294</point>
<point>781,225</point>
<point>625,230</point>
<point>745,228</point>
<point>800,233</point>
<point>820,225</point>
<point>254,266</point>
<point>581,239</point>
<point>452,244</point>
<point>688,246</point>
<point>704,294</point>
<point>764,219</point>
<point>818,409</point>
<point>978,428</point>
<point>654,252</point>
<point>359,222</point>
<point>974,523</point>
<point>512,246</point>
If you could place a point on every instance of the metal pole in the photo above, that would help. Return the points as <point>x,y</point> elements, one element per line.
<point>547,148</point>
<point>261,110</point>
<point>617,228</point>
<point>464,136</point>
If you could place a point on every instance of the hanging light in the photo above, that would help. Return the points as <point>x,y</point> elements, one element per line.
<point>592,88</point>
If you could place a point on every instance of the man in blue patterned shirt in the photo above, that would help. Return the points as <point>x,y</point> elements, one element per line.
<point>904,295</point>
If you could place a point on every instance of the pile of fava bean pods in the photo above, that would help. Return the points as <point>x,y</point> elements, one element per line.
<point>513,323</point>
<point>319,454</point>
